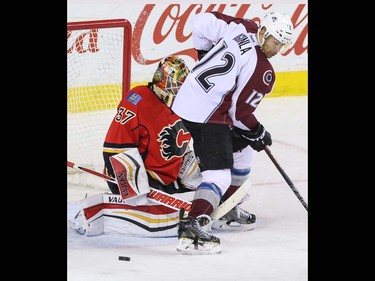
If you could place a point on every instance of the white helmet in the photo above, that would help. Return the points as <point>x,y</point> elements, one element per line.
<point>279,26</point>
<point>168,78</point>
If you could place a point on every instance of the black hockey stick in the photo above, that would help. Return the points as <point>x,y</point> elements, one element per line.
<point>285,176</point>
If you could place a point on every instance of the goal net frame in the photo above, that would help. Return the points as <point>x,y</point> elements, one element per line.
<point>91,91</point>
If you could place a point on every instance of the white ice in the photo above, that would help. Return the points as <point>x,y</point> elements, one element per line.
<point>276,250</point>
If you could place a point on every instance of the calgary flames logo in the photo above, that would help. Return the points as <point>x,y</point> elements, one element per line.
<point>174,140</point>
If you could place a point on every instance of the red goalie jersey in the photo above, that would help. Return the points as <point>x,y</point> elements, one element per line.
<point>145,122</point>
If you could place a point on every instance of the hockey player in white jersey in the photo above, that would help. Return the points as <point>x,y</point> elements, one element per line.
<point>217,104</point>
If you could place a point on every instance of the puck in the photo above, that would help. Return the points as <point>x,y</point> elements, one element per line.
<point>122,258</point>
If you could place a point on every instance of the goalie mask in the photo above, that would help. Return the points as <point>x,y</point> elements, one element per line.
<point>279,26</point>
<point>168,78</point>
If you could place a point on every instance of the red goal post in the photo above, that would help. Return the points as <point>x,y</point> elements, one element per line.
<point>98,73</point>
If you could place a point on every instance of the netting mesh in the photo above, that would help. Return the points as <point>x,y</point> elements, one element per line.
<point>95,79</point>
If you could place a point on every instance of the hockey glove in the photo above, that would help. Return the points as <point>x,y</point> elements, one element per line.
<point>190,175</point>
<point>238,141</point>
<point>257,139</point>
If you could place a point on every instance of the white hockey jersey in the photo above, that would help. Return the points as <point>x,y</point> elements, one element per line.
<point>228,83</point>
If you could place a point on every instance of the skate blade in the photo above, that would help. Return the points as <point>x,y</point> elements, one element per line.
<point>232,226</point>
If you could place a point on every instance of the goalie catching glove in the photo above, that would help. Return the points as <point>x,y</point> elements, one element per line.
<point>190,175</point>
<point>257,139</point>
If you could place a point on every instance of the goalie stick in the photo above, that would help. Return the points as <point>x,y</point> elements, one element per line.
<point>171,201</point>
<point>154,195</point>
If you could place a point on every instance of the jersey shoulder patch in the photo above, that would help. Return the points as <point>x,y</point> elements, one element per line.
<point>133,98</point>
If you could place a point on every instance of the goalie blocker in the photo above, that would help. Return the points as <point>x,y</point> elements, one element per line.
<point>131,175</point>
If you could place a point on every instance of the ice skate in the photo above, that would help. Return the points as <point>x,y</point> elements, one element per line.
<point>193,239</point>
<point>236,219</point>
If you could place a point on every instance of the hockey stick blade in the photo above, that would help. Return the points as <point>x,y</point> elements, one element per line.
<point>229,204</point>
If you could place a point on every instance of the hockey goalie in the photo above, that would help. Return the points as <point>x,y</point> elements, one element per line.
<point>146,145</point>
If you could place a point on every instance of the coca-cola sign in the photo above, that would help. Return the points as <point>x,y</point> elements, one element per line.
<point>160,30</point>
<point>174,20</point>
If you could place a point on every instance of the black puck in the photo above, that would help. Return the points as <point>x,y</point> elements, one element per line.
<point>122,258</point>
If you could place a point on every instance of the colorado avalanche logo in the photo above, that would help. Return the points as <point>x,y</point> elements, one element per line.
<point>174,140</point>
<point>267,77</point>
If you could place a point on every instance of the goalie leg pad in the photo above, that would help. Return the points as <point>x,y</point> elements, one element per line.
<point>148,220</point>
<point>109,213</point>
<point>89,220</point>
<point>91,227</point>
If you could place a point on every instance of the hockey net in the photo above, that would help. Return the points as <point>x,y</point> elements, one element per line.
<point>98,72</point>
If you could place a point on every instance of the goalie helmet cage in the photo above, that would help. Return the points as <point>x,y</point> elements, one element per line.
<point>98,73</point>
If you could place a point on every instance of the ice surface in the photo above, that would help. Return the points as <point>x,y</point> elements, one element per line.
<point>276,250</point>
